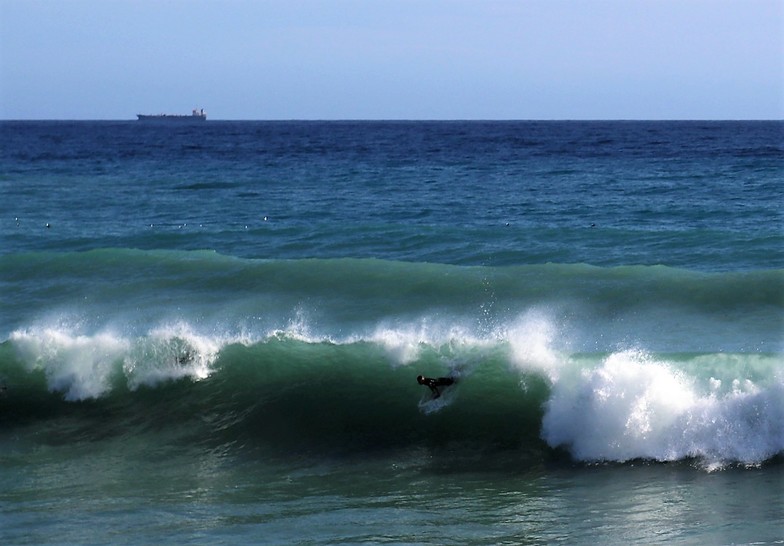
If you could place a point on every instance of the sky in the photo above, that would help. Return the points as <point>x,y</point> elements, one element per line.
<point>393,59</point>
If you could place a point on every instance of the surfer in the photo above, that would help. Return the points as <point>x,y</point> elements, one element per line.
<point>434,383</point>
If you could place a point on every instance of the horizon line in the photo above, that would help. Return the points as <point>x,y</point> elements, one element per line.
<point>404,120</point>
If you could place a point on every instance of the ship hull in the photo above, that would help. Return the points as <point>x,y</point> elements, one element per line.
<point>172,117</point>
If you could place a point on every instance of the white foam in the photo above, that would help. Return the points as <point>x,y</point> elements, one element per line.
<point>632,407</point>
<point>171,352</point>
<point>82,366</point>
<point>78,365</point>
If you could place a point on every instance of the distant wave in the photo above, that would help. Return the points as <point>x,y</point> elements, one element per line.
<point>416,283</point>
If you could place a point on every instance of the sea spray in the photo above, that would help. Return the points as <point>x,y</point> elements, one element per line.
<point>632,405</point>
<point>80,366</point>
<point>83,366</point>
<point>168,353</point>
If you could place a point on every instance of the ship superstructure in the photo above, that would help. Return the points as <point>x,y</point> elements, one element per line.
<point>198,114</point>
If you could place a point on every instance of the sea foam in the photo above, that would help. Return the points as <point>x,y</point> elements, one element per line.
<point>632,406</point>
<point>84,366</point>
<point>78,365</point>
<point>171,352</point>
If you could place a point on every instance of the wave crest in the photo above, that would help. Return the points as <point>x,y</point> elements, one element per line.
<point>632,406</point>
<point>86,366</point>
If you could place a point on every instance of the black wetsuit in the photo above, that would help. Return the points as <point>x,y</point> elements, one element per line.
<point>434,383</point>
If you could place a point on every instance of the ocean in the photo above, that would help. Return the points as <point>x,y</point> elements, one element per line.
<point>211,333</point>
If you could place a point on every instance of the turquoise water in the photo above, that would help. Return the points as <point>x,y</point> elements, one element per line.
<point>210,334</point>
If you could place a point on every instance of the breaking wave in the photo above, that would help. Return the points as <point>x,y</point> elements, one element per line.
<point>518,388</point>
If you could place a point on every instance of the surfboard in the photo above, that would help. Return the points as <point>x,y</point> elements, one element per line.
<point>428,404</point>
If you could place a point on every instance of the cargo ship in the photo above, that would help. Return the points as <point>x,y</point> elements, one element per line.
<point>196,115</point>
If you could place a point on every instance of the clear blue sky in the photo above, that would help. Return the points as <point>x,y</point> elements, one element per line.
<point>393,59</point>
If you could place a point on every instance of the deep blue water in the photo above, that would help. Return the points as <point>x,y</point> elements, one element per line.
<point>210,332</point>
<point>698,195</point>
